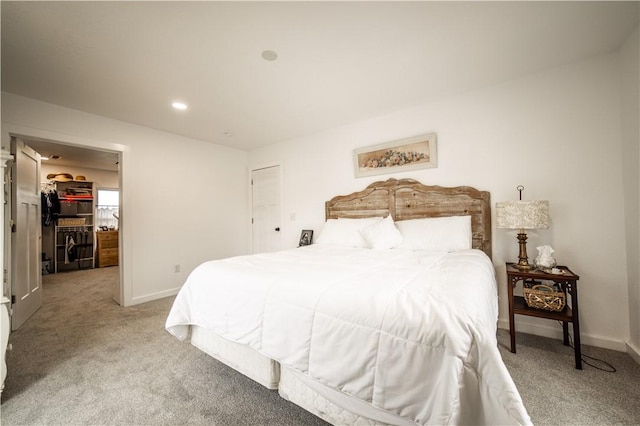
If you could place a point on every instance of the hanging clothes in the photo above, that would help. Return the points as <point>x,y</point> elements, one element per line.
<point>45,206</point>
<point>50,206</point>
<point>81,247</point>
<point>55,203</point>
<point>69,249</point>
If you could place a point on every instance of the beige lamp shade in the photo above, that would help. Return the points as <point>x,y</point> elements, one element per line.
<point>523,214</point>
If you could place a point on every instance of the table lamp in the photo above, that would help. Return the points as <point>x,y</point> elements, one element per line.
<point>523,215</point>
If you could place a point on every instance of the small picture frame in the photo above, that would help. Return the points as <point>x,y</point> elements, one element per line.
<point>305,237</point>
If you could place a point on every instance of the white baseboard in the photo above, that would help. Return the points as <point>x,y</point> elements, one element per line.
<point>554,331</point>
<point>155,296</point>
<point>634,352</point>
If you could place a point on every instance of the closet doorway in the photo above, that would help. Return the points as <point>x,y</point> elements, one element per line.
<point>78,171</point>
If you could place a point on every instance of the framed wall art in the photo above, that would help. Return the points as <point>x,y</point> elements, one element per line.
<point>305,237</point>
<point>418,152</point>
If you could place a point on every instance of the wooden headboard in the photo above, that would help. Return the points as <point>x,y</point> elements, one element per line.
<point>409,199</point>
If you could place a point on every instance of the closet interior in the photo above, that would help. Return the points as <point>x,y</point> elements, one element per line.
<point>79,224</point>
<point>68,226</point>
<point>80,208</point>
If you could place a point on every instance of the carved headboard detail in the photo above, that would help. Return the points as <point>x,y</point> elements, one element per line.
<point>409,199</point>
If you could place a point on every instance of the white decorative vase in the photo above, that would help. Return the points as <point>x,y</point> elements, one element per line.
<point>545,261</point>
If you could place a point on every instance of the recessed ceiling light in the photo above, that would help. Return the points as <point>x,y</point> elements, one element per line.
<point>55,157</point>
<point>269,55</point>
<point>179,105</point>
<point>228,134</point>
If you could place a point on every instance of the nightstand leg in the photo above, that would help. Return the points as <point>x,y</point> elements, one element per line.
<point>576,343</point>
<point>512,330</point>
<point>565,333</point>
<point>512,326</point>
<point>576,326</point>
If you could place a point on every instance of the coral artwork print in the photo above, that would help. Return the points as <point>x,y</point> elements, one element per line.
<point>408,154</point>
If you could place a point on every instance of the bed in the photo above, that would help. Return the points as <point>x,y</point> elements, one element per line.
<point>390,318</point>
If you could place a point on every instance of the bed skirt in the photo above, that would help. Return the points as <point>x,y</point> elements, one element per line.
<point>240,357</point>
<point>330,405</point>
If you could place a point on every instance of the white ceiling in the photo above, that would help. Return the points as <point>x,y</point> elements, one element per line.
<point>338,62</point>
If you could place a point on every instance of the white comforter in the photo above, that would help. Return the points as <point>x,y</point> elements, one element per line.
<point>411,333</point>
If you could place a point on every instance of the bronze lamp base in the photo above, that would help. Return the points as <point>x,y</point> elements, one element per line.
<point>523,261</point>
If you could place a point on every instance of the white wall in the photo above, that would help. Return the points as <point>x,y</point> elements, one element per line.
<point>630,90</point>
<point>556,132</point>
<point>184,200</point>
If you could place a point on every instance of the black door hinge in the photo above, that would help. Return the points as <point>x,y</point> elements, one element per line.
<point>13,299</point>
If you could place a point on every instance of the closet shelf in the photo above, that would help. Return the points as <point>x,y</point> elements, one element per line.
<point>76,197</point>
<point>76,201</point>
<point>73,227</point>
<point>71,262</point>
<point>77,245</point>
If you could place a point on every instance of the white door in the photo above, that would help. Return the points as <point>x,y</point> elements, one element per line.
<point>26,236</point>
<point>265,197</point>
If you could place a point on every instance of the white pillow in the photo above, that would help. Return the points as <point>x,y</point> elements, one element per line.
<point>449,234</point>
<point>345,232</point>
<point>382,235</point>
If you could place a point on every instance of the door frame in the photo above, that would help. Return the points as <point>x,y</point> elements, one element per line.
<point>123,151</point>
<point>250,200</point>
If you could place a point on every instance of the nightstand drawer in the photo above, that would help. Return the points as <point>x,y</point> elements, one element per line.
<point>109,252</point>
<point>107,235</point>
<point>107,244</point>
<point>108,259</point>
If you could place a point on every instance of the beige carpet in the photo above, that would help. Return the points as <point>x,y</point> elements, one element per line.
<point>84,360</point>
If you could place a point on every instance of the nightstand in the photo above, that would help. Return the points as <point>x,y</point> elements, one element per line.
<point>107,248</point>
<point>568,282</point>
